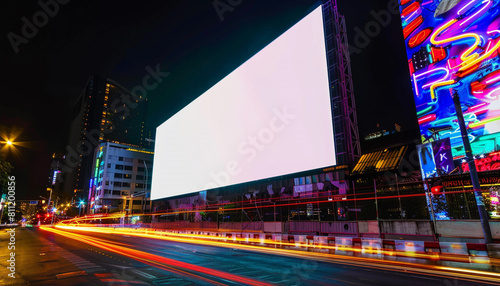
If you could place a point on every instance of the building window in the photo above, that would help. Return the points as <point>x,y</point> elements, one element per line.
<point>118,176</point>
<point>128,168</point>
<point>119,167</point>
<point>140,186</point>
<point>116,193</point>
<point>124,193</point>
<point>315,179</point>
<point>107,183</point>
<point>109,165</point>
<point>117,184</point>
<point>308,180</point>
<point>120,158</point>
<point>139,177</point>
<point>140,169</point>
<point>127,176</point>
<point>126,185</point>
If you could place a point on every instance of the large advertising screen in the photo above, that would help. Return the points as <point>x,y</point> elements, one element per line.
<point>269,117</point>
<point>453,46</point>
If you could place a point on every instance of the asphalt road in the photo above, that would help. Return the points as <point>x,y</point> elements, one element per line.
<point>46,258</point>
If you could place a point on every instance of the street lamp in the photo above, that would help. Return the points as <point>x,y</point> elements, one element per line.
<point>50,196</point>
<point>82,203</point>
<point>8,145</point>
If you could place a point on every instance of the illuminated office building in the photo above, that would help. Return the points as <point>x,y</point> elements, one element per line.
<point>120,179</point>
<point>104,112</point>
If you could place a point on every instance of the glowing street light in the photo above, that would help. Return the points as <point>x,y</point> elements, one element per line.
<point>10,143</point>
<point>82,203</point>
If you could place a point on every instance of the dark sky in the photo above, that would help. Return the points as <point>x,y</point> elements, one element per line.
<point>187,39</point>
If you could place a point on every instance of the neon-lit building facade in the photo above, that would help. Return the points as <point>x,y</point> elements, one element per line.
<point>119,173</point>
<point>455,45</point>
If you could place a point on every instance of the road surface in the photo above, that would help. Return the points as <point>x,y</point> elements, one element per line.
<point>80,258</point>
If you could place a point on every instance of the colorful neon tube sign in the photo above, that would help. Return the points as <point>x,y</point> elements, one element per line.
<point>458,49</point>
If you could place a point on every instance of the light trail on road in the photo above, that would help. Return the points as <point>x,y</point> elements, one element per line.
<point>405,267</point>
<point>161,262</point>
<point>261,244</point>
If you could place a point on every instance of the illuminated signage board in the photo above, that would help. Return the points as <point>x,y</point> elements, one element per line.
<point>454,45</point>
<point>54,177</point>
<point>485,163</point>
<point>435,158</point>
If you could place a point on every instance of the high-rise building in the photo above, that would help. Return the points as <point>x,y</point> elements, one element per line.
<point>104,112</point>
<point>54,179</point>
<point>121,178</point>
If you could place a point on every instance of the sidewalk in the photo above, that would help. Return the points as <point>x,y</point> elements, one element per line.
<point>38,262</point>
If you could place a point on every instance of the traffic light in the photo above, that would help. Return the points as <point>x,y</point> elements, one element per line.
<point>38,216</point>
<point>437,187</point>
<point>437,190</point>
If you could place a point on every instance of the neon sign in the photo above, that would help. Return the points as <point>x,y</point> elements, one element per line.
<point>455,46</point>
<point>487,163</point>
<point>54,177</point>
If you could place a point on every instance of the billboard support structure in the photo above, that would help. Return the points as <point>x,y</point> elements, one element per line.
<point>483,215</point>
<point>345,119</point>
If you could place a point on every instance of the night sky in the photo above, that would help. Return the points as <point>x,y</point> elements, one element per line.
<point>188,40</point>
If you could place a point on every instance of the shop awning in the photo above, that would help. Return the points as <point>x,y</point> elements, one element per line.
<point>383,160</point>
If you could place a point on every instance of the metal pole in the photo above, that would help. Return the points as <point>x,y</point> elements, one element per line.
<point>54,212</point>
<point>376,205</point>
<point>430,206</point>
<point>483,215</point>
<point>145,188</point>
<point>355,206</point>
<point>399,196</point>
<point>274,212</point>
<point>50,196</point>
<point>1,211</point>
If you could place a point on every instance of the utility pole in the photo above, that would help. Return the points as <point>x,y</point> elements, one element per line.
<point>483,215</point>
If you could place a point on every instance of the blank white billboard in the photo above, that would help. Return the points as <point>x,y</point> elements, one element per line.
<point>269,117</point>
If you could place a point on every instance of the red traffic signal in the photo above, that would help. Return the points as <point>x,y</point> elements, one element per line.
<point>437,190</point>
<point>38,216</point>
